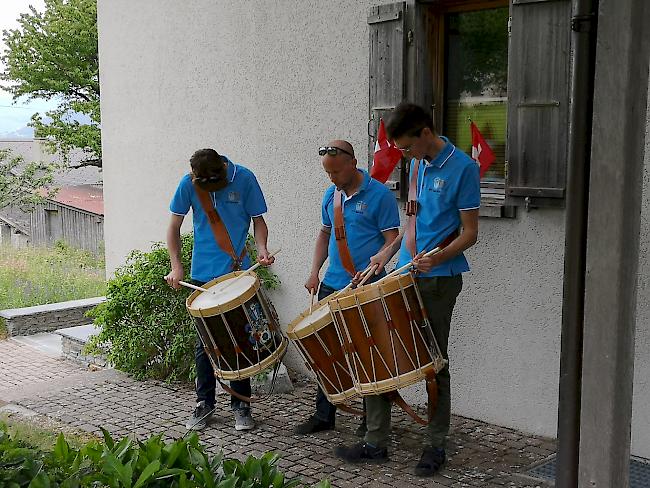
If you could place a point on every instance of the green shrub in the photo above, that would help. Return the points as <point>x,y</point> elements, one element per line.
<point>133,464</point>
<point>145,327</point>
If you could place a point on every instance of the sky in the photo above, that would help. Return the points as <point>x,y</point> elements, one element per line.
<point>15,116</point>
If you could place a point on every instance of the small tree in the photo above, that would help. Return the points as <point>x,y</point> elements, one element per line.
<point>53,55</point>
<point>19,181</point>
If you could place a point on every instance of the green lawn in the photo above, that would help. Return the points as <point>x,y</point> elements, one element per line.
<point>36,276</point>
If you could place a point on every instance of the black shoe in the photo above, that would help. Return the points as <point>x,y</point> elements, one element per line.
<point>431,461</point>
<point>362,429</point>
<point>199,418</point>
<point>362,453</point>
<point>312,425</point>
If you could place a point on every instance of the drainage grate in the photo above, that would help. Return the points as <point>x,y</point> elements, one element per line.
<point>639,472</point>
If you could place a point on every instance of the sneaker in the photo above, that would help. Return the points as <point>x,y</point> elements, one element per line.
<point>362,429</point>
<point>243,419</point>
<point>312,425</point>
<point>431,461</point>
<point>362,453</point>
<point>200,416</point>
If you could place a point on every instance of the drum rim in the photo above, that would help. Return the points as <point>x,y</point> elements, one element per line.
<point>395,383</point>
<point>226,306</point>
<point>314,326</point>
<point>370,293</point>
<point>242,374</point>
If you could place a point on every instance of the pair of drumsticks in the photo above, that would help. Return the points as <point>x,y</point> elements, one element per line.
<point>369,271</point>
<point>248,271</point>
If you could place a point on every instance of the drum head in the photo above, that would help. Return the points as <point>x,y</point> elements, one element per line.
<point>308,323</point>
<point>224,293</point>
<point>315,316</point>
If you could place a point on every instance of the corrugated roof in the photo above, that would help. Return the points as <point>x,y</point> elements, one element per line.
<point>84,197</point>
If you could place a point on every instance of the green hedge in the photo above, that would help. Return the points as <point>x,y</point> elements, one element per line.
<point>133,464</point>
<point>145,327</point>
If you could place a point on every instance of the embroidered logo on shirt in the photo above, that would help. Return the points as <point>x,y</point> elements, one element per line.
<point>360,207</point>
<point>438,184</point>
<point>233,197</point>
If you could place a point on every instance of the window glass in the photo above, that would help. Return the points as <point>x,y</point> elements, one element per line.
<point>476,65</point>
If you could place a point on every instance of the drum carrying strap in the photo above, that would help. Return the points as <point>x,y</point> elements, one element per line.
<point>219,228</point>
<point>411,212</point>
<point>339,234</point>
<point>432,400</point>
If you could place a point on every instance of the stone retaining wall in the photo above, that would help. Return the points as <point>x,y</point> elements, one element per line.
<point>47,318</point>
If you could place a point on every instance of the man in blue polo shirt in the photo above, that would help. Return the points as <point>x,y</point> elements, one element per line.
<point>371,222</point>
<point>446,216</point>
<point>237,197</point>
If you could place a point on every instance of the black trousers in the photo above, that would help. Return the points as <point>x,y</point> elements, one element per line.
<point>206,382</point>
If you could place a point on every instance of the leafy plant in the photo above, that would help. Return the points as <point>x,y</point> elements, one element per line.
<point>19,181</point>
<point>153,462</point>
<point>145,328</point>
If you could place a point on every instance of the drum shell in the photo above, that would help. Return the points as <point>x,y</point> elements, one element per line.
<point>320,346</point>
<point>227,336</point>
<point>396,354</point>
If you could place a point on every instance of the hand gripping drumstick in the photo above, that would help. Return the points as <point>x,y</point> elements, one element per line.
<point>410,263</point>
<point>366,274</point>
<point>248,271</point>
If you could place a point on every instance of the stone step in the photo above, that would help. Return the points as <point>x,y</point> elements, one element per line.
<point>73,341</point>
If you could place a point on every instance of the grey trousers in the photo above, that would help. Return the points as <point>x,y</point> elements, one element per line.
<point>439,296</point>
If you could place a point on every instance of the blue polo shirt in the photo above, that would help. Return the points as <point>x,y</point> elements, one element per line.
<point>236,204</point>
<point>446,186</point>
<point>366,214</point>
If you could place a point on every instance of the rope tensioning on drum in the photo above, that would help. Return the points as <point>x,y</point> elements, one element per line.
<point>413,325</point>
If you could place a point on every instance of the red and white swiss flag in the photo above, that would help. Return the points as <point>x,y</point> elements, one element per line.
<point>481,151</point>
<point>386,156</point>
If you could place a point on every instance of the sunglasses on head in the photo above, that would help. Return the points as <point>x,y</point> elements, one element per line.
<point>332,151</point>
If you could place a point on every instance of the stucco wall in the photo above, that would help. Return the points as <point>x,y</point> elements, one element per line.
<point>266,83</point>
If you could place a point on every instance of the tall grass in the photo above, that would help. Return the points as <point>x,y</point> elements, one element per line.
<point>36,276</point>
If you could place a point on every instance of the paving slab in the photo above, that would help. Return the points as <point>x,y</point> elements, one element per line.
<point>480,454</point>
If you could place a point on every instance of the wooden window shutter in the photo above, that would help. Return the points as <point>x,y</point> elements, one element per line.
<point>387,66</point>
<point>538,102</point>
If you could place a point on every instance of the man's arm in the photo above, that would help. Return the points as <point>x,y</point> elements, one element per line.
<point>320,255</point>
<point>467,238</point>
<point>174,247</point>
<point>261,233</point>
<point>387,251</point>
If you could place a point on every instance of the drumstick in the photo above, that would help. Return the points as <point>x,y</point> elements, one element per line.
<point>409,264</point>
<point>249,270</point>
<point>370,272</point>
<point>311,304</point>
<point>349,285</point>
<point>194,287</point>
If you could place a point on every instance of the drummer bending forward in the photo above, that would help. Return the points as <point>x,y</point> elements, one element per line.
<point>371,222</point>
<point>237,197</point>
<point>448,198</point>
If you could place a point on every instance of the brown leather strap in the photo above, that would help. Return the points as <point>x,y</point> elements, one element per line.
<point>339,234</point>
<point>412,209</point>
<point>397,399</point>
<point>219,228</point>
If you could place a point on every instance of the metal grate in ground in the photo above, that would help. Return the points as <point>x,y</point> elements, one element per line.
<point>639,472</point>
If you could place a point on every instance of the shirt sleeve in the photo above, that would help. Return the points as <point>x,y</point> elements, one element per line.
<point>325,217</point>
<point>254,202</point>
<point>388,212</point>
<point>182,199</point>
<point>469,191</point>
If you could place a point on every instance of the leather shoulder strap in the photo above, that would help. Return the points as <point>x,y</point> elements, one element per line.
<point>219,228</point>
<point>412,209</point>
<point>339,234</point>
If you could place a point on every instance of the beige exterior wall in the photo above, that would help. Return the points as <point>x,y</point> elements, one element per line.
<point>266,83</point>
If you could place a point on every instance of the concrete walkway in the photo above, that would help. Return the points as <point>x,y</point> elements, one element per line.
<point>480,455</point>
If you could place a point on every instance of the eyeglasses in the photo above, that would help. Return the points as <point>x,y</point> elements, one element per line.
<point>332,151</point>
<point>209,179</point>
<point>416,133</point>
